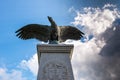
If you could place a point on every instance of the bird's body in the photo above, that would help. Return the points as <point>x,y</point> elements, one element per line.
<point>52,33</point>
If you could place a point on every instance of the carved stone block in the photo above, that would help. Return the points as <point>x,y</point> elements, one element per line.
<point>54,62</point>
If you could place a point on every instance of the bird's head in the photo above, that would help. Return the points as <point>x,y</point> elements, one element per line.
<point>53,24</point>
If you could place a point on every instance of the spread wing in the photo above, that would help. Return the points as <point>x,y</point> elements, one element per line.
<point>30,31</point>
<point>69,32</point>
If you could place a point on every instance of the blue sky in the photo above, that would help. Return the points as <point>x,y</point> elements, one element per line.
<point>14,14</point>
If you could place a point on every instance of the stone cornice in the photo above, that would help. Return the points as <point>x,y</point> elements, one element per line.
<point>55,48</point>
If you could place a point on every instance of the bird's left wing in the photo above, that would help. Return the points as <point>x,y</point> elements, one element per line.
<point>30,31</point>
<point>69,32</point>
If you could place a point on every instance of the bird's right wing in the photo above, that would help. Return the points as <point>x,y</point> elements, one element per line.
<point>40,32</point>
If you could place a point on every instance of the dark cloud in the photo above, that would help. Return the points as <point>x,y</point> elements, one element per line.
<point>112,39</point>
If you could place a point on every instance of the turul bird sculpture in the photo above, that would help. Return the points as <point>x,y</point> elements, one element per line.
<point>53,33</point>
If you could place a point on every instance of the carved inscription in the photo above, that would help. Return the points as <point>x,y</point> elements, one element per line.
<point>55,71</point>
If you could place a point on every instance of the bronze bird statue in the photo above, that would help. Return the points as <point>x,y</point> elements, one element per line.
<point>52,33</point>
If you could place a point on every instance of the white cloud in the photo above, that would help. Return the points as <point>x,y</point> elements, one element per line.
<point>11,75</point>
<point>96,20</point>
<point>31,64</point>
<point>72,9</point>
<point>109,5</point>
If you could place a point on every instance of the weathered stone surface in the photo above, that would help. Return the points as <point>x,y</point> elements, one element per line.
<point>54,62</point>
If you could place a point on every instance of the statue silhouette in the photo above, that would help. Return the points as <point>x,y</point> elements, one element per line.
<point>53,33</point>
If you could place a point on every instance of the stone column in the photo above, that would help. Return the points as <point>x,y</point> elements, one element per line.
<point>54,62</point>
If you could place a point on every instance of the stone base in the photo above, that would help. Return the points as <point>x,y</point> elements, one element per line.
<point>54,62</point>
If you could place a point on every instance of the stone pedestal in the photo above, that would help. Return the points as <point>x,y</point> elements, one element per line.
<point>54,62</point>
